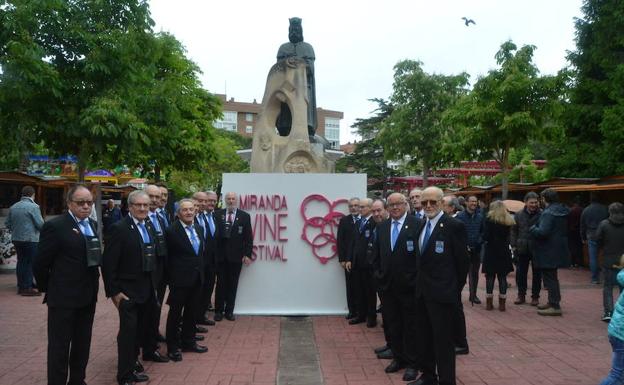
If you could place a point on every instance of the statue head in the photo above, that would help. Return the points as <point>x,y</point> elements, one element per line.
<point>295,31</point>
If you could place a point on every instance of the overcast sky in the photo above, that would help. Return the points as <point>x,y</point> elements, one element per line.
<point>357,43</point>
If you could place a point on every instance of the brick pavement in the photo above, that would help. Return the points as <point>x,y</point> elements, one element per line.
<point>516,347</point>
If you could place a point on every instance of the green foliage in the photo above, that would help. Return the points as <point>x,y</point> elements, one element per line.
<point>90,78</point>
<point>415,129</point>
<point>593,145</point>
<point>506,109</point>
<point>368,157</point>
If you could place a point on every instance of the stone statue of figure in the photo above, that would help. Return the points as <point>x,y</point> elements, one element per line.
<point>302,50</point>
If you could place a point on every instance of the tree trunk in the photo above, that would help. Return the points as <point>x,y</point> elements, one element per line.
<point>82,161</point>
<point>157,172</point>
<point>425,174</point>
<point>505,176</point>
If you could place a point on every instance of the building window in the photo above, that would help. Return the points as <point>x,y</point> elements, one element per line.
<point>332,132</point>
<point>228,122</point>
<point>249,129</point>
<point>248,117</point>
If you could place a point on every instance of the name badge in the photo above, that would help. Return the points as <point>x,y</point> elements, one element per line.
<point>439,247</point>
<point>240,230</point>
<point>410,245</point>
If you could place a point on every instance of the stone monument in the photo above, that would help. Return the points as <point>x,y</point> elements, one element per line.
<point>284,139</point>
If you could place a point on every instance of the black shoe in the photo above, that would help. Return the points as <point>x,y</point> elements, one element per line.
<point>138,367</point>
<point>195,348</point>
<point>139,377</point>
<point>175,356</point>
<point>475,300</point>
<point>606,317</point>
<point>381,349</point>
<point>350,315</point>
<point>155,357</point>
<point>371,322</point>
<point>461,350</point>
<point>230,316</point>
<point>201,329</point>
<point>386,355</point>
<point>198,337</point>
<point>394,367</point>
<point>218,317</point>
<point>355,321</point>
<point>410,374</point>
<point>206,321</point>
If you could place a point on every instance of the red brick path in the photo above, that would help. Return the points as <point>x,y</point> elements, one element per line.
<point>516,347</point>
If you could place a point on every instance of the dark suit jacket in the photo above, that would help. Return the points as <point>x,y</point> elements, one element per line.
<point>160,275</point>
<point>210,248</point>
<point>184,265</point>
<point>240,242</point>
<point>361,240</point>
<point>60,267</point>
<point>345,236</point>
<point>122,267</point>
<point>399,266</point>
<point>443,264</point>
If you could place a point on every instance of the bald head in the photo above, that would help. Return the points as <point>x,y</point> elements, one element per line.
<point>202,200</point>
<point>397,205</point>
<point>155,196</point>
<point>431,200</point>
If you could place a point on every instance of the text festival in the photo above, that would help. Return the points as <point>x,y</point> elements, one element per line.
<point>269,229</point>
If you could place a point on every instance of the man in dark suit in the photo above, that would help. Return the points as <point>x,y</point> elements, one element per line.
<point>206,219</point>
<point>128,262</point>
<point>234,248</point>
<point>66,269</point>
<point>347,228</point>
<point>162,207</point>
<point>361,269</point>
<point>186,272</point>
<point>395,266</point>
<point>442,271</point>
<point>159,274</point>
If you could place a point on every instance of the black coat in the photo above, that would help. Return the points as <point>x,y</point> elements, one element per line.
<point>362,238</point>
<point>497,255</point>
<point>551,238</point>
<point>443,264</point>
<point>184,266</point>
<point>240,241</point>
<point>520,238</point>
<point>210,248</point>
<point>347,230</point>
<point>60,267</point>
<point>160,275</point>
<point>122,266</point>
<point>397,267</point>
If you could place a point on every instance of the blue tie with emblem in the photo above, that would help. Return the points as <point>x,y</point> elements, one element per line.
<point>427,235</point>
<point>194,240</point>
<point>211,224</point>
<point>86,228</point>
<point>144,234</point>
<point>395,233</point>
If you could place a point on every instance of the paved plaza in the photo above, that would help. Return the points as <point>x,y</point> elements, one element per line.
<point>517,347</point>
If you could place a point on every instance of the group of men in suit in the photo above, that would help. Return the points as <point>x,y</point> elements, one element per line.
<point>143,253</point>
<point>418,267</point>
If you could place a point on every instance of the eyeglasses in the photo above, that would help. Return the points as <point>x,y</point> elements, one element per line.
<point>392,205</point>
<point>429,202</point>
<point>140,205</point>
<point>82,203</point>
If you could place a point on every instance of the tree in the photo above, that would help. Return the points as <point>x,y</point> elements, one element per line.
<point>505,109</point>
<point>415,128</point>
<point>90,78</point>
<point>368,156</point>
<point>593,145</point>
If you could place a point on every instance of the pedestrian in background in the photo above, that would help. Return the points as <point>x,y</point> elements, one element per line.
<point>497,255</point>
<point>616,336</point>
<point>610,238</point>
<point>25,222</point>
<point>590,219</point>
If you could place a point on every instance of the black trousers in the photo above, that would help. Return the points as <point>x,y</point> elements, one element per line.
<point>183,303</point>
<point>133,318</point>
<point>551,283</point>
<point>473,271</point>
<point>206,293</point>
<point>384,317</point>
<point>227,285</point>
<point>437,346</point>
<point>349,282</point>
<point>365,294</point>
<point>152,328</point>
<point>400,317</point>
<point>522,276</point>
<point>69,342</point>
<point>460,324</point>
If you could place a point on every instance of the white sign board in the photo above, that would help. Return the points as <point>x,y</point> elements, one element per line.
<point>294,218</point>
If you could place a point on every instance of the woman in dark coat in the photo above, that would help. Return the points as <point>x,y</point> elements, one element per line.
<point>497,255</point>
<point>610,237</point>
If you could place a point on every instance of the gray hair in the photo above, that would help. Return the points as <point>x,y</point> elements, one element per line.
<point>184,200</point>
<point>136,194</point>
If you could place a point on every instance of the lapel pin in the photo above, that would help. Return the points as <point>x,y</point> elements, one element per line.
<point>406,226</point>
<point>441,224</point>
<point>76,230</point>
